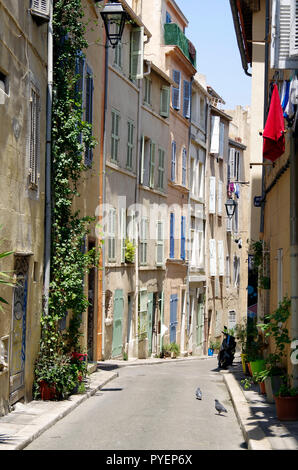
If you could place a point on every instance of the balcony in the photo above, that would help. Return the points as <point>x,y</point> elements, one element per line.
<point>175,37</point>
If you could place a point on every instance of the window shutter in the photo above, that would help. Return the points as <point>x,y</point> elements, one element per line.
<point>284,35</point>
<point>212,255</point>
<point>165,101</point>
<point>229,224</point>
<point>173,162</point>
<point>137,53</point>
<point>122,233</point>
<point>186,99</point>
<point>214,147</point>
<point>172,240</point>
<point>212,192</point>
<point>184,166</point>
<point>201,248</point>
<point>183,237</point>
<point>111,234</point>
<point>221,140</point>
<point>159,244</point>
<point>161,168</point>
<point>142,160</point>
<point>40,8</point>
<point>231,165</point>
<point>221,261</point>
<point>219,198</point>
<point>176,91</point>
<point>34,152</point>
<point>152,164</point>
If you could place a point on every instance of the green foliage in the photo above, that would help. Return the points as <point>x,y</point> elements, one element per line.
<point>129,251</point>
<point>286,390</point>
<point>69,261</point>
<point>5,279</point>
<point>275,327</point>
<point>215,344</point>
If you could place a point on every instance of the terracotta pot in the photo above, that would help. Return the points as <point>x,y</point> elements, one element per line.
<point>287,408</point>
<point>249,369</point>
<point>262,388</point>
<point>47,392</point>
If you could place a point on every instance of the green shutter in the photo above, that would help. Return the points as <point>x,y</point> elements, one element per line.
<point>137,53</point>
<point>117,323</point>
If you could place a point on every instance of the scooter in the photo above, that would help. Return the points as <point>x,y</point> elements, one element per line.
<point>227,351</point>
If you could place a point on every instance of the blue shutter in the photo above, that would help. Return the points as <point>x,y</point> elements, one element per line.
<point>183,237</point>
<point>173,317</point>
<point>184,166</point>
<point>168,17</point>
<point>173,162</point>
<point>186,99</point>
<point>176,91</point>
<point>172,240</point>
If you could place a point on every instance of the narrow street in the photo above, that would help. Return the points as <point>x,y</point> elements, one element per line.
<point>151,407</point>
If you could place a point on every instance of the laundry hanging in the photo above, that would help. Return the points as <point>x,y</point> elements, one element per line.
<point>273,135</point>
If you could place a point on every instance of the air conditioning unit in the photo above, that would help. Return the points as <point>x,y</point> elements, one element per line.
<point>40,9</point>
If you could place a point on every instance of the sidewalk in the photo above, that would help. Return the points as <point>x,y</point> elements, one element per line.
<point>257,418</point>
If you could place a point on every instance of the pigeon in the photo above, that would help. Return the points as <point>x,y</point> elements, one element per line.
<point>198,394</point>
<point>219,407</point>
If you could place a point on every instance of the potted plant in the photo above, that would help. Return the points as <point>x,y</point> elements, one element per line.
<point>286,400</point>
<point>275,327</point>
<point>241,337</point>
<point>129,252</point>
<point>174,349</point>
<point>166,350</point>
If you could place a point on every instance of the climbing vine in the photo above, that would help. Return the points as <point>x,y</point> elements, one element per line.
<point>70,136</point>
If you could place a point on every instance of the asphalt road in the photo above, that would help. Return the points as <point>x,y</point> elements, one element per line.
<point>151,407</point>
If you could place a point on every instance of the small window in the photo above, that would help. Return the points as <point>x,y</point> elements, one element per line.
<point>176,90</point>
<point>147,90</point>
<point>130,145</point>
<point>161,168</point>
<point>143,241</point>
<point>168,17</point>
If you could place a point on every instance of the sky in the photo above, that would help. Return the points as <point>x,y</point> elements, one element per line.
<point>211,30</point>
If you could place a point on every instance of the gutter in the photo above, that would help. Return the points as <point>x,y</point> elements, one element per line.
<point>239,37</point>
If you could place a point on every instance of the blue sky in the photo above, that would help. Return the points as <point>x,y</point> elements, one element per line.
<point>211,31</point>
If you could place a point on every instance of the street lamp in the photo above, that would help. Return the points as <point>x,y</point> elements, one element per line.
<point>230,207</point>
<point>114,17</point>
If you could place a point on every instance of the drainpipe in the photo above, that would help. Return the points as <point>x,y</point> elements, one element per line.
<point>48,196</point>
<point>186,311</point>
<point>294,245</point>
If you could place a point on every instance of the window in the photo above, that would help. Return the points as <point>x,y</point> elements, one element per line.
<point>34,149</point>
<point>143,311</point>
<point>197,243</point>
<point>176,90</point>
<point>284,34</point>
<point>130,128</point>
<point>234,165</point>
<point>202,113</point>
<point>221,140</point>
<point>168,17</point>
<point>88,110</point>
<point>236,271</point>
<point>152,165</point>
<point>231,320</point>
<point>159,243</point>
<point>4,86</point>
<point>173,162</point>
<point>147,90</point>
<point>137,53</point>
<point>165,101</point>
<point>143,240</point>
<point>212,194</point>
<point>186,98</point>
<point>111,234</point>
<point>219,197</point>
<point>161,168</point>
<point>221,265</point>
<point>115,136</point>
<point>118,55</point>
<point>172,239</point>
<point>212,256</point>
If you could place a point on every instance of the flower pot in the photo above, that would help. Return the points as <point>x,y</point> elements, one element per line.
<point>272,386</point>
<point>47,392</point>
<point>243,360</point>
<point>249,368</point>
<point>257,366</point>
<point>262,388</point>
<point>210,352</point>
<point>287,408</point>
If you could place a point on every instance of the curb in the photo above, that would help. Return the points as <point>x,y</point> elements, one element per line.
<point>255,437</point>
<point>44,422</point>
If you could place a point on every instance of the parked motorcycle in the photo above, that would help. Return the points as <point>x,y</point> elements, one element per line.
<point>227,351</point>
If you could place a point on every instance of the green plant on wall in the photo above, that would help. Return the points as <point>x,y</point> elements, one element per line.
<point>261,260</point>
<point>70,137</point>
<point>129,251</point>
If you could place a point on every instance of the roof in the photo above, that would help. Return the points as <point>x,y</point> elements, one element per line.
<point>135,17</point>
<point>242,13</point>
<point>161,73</point>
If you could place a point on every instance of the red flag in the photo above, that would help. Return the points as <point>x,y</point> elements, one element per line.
<point>273,135</point>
